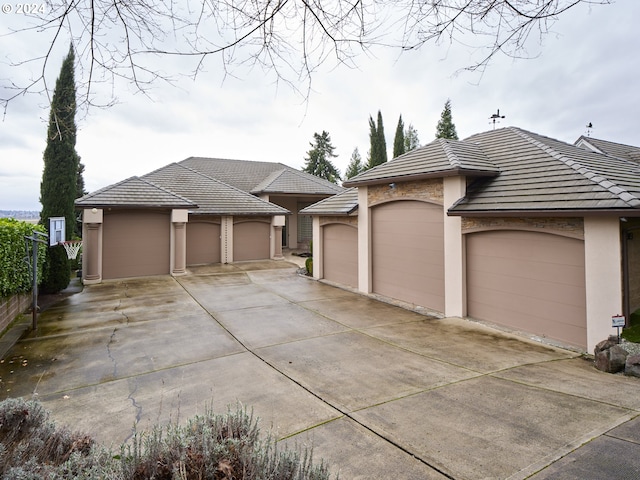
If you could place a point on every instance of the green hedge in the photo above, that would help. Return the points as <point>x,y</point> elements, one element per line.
<point>15,274</point>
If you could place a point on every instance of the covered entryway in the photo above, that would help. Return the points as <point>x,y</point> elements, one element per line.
<point>251,240</point>
<point>340,254</point>
<point>408,252</point>
<point>529,281</point>
<point>135,244</point>
<point>203,242</point>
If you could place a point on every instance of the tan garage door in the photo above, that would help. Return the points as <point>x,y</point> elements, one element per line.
<point>408,252</point>
<point>203,243</point>
<point>135,244</point>
<point>340,254</point>
<point>251,241</point>
<point>530,281</point>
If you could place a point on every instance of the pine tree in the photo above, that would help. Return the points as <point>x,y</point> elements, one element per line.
<point>411,140</point>
<point>446,128</point>
<point>59,184</point>
<point>378,152</point>
<point>318,161</point>
<point>398,141</point>
<point>355,166</point>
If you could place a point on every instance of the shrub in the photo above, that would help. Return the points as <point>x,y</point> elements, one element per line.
<point>15,273</point>
<point>210,446</point>
<point>308,264</point>
<point>57,270</point>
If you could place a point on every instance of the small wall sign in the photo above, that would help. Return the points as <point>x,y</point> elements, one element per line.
<point>618,321</point>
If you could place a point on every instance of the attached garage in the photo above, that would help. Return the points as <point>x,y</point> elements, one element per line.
<point>251,240</point>
<point>340,259</point>
<point>135,243</point>
<point>529,281</point>
<point>408,252</point>
<point>203,241</point>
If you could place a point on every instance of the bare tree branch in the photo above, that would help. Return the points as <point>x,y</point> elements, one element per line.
<point>121,39</point>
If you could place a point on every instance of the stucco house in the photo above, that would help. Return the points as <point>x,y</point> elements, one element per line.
<point>197,211</point>
<point>507,226</point>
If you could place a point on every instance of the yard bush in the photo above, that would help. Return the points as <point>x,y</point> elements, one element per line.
<point>15,273</point>
<point>308,264</point>
<point>57,270</point>
<point>210,446</point>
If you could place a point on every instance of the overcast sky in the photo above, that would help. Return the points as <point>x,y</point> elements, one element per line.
<point>587,70</point>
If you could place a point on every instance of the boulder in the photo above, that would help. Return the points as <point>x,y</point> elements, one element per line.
<point>610,357</point>
<point>632,365</point>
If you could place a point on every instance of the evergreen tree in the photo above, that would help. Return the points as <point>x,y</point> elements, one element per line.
<point>398,141</point>
<point>378,152</point>
<point>411,140</point>
<point>61,170</point>
<point>355,165</point>
<point>446,128</point>
<point>318,161</point>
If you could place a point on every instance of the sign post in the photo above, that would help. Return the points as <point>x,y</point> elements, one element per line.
<point>618,321</point>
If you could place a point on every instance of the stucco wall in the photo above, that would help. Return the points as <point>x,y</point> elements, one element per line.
<point>353,220</point>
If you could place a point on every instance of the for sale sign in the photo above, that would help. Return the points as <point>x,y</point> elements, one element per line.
<point>618,321</point>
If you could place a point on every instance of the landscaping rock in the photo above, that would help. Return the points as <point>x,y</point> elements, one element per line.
<point>632,365</point>
<point>610,357</point>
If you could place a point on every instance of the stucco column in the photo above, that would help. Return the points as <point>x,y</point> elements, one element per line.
<point>91,253</point>
<point>318,249</point>
<point>178,260</point>
<point>92,245</point>
<point>179,249</point>
<point>275,246</point>
<point>455,284</point>
<point>226,239</point>
<point>603,276</point>
<point>364,245</point>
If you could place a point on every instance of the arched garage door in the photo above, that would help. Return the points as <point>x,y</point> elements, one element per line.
<point>408,252</point>
<point>529,281</point>
<point>251,241</point>
<point>340,254</point>
<point>203,243</point>
<point>135,244</point>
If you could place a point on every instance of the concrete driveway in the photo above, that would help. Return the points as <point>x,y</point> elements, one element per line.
<point>380,391</point>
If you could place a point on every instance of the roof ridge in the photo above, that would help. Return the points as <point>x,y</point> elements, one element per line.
<point>451,156</point>
<point>166,190</point>
<point>599,179</point>
<point>220,182</point>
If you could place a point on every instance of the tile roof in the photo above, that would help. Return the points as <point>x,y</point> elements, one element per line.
<point>538,173</point>
<point>290,181</point>
<point>343,203</point>
<point>212,196</point>
<point>261,177</point>
<point>626,152</point>
<point>134,192</point>
<point>439,158</point>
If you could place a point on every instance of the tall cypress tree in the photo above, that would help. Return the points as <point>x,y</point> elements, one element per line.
<point>378,151</point>
<point>59,185</point>
<point>398,141</point>
<point>445,127</point>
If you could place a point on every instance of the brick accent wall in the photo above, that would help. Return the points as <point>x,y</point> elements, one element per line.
<point>431,190</point>
<point>11,307</point>
<point>570,227</point>
<point>339,219</point>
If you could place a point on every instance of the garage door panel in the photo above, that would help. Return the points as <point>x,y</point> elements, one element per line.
<point>135,244</point>
<point>408,252</point>
<point>530,281</point>
<point>340,256</point>
<point>203,243</point>
<point>251,241</point>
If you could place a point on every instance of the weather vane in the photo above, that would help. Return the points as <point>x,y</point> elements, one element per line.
<point>589,128</point>
<point>494,117</point>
